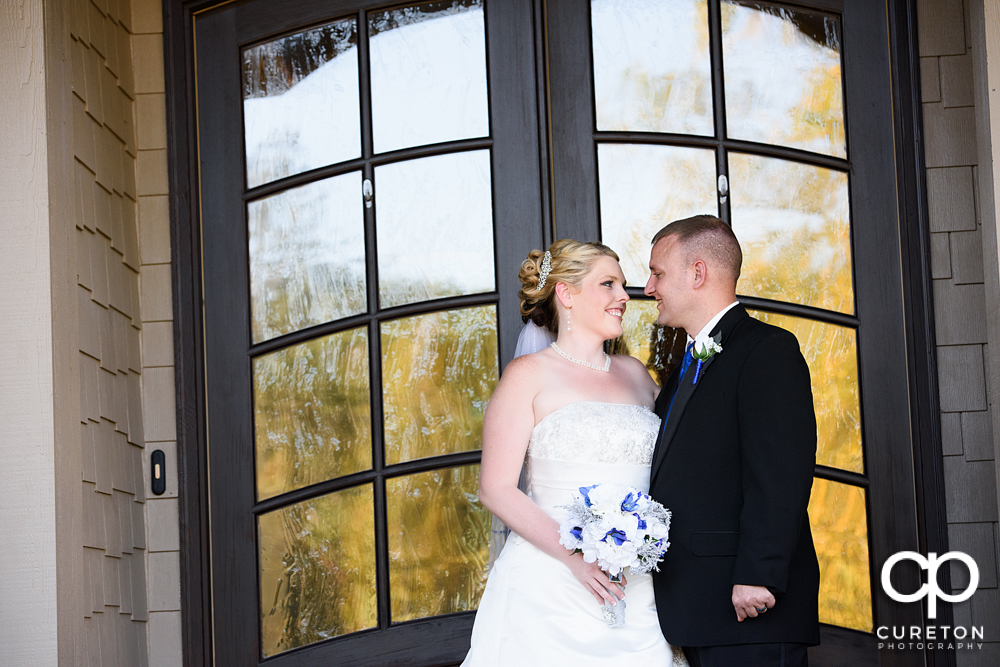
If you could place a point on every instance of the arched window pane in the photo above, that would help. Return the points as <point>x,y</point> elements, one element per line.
<point>652,71</point>
<point>434,228</point>
<point>782,77</point>
<point>438,542</point>
<point>312,415</point>
<point>428,74</point>
<point>839,523</point>
<point>794,225</point>
<point>301,107</point>
<point>831,351</point>
<point>644,187</point>
<point>317,570</point>
<point>307,256</point>
<point>438,372</point>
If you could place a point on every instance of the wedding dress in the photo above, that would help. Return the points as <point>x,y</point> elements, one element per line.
<point>534,611</point>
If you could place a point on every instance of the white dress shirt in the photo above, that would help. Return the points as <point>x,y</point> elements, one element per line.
<point>707,330</point>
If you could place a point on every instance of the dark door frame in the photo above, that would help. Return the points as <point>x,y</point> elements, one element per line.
<point>925,473</point>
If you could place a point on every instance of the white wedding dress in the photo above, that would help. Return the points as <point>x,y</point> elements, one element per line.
<point>534,611</point>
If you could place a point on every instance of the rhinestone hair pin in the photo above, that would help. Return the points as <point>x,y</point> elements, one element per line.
<point>546,269</point>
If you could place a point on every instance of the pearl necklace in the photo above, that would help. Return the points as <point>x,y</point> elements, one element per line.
<point>607,360</point>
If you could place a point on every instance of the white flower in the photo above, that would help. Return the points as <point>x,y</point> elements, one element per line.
<point>705,347</point>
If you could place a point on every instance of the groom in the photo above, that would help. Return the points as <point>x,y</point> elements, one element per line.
<point>734,464</point>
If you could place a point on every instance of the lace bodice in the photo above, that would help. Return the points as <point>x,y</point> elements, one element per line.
<point>594,432</point>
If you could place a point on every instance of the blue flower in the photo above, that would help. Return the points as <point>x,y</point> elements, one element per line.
<point>585,492</point>
<point>617,536</point>
<point>577,532</point>
<point>642,524</point>
<point>630,503</point>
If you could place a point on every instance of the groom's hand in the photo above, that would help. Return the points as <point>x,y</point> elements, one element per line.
<point>748,600</point>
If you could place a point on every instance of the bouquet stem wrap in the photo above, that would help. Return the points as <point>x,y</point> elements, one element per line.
<point>614,614</point>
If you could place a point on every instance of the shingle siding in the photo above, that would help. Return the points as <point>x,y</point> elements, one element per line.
<point>959,303</point>
<point>123,277</point>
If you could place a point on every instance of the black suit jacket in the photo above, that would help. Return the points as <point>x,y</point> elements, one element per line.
<point>734,463</point>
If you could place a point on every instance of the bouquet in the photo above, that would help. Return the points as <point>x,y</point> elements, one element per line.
<point>618,526</point>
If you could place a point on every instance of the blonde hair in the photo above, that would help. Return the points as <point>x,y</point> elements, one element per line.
<point>571,261</point>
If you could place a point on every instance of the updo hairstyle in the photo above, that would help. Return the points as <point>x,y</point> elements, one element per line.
<point>571,261</point>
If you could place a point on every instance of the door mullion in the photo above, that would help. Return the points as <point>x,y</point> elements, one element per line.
<point>719,106</point>
<point>365,88</point>
<point>374,337</point>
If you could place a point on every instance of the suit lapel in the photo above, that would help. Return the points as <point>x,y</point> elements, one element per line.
<point>663,405</point>
<point>687,387</point>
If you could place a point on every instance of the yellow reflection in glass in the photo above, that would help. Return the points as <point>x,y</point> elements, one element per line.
<point>438,372</point>
<point>317,570</point>
<point>658,347</point>
<point>652,70</point>
<point>793,222</point>
<point>783,79</point>
<point>643,188</point>
<point>831,351</point>
<point>312,416</point>
<point>840,532</point>
<point>639,326</point>
<point>438,542</point>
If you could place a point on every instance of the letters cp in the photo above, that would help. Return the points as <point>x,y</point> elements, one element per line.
<point>931,590</point>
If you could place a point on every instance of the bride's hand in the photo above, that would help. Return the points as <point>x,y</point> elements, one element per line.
<point>595,580</point>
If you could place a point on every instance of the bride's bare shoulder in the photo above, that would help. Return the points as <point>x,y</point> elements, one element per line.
<point>519,384</point>
<point>630,364</point>
<point>526,370</point>
<point>637,372</point>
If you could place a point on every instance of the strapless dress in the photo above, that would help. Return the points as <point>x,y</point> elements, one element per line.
<point>533,610</point>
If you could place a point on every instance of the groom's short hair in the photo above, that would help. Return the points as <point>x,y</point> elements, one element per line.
<point>709,237</point>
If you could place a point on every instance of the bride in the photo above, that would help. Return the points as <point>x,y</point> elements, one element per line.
<point>575,417</point>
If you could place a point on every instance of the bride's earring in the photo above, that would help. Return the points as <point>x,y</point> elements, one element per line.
<point>569,321</point>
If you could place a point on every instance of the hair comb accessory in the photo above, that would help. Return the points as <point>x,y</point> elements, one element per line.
<point>546,269</point>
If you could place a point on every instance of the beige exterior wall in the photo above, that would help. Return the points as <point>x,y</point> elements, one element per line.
<point>156,310</point>
<point>960,220</point>
<point>27,476</point>
<point>115,610</point>
<point>86,378</point>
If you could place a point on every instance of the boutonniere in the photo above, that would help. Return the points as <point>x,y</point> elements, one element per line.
<point>704,348</point>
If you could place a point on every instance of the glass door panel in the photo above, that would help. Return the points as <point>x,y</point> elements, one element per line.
<point>307,256</point>
<point>428,74</point>
<point>779,84</point>
<point>643,187</point>
<point>438,372</point>
<point>783,76</point>
<point>317,570</point>
<point>438,542</point>
<point>651,67</point>
<point>434,228</point>
<point>301,106</point>
<point>363,343</point>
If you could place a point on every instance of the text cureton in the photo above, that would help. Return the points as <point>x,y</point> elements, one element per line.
<point>930,633</point>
